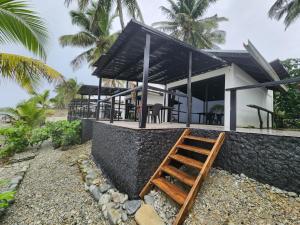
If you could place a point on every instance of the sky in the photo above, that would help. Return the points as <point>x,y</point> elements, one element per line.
<point>248,20</point>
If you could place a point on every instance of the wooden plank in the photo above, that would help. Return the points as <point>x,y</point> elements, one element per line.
<point>148,186</point>
<point>194,190</point>
<point>176,193</point>
<point>201,139</point>
<point>194,149</point>
<point>187,161</point>
<point>179,175</point>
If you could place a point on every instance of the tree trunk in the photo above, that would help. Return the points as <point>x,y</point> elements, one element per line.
<point>119,6</point>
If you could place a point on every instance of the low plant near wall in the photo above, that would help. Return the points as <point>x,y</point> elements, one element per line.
<point>5,197</point>
<point>20,136</point>
<point>291,123</point>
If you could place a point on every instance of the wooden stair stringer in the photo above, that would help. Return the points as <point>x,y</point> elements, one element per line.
<point>167,159</point>
<point>199,180</point>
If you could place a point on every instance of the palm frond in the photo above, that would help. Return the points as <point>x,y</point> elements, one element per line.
<point>81,39</point>
<point>19,24</point>
<point>82,4</point>
<point>27,72</point>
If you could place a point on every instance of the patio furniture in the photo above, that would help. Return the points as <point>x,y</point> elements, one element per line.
<point>259,115</point>
<point>154,112</point>
<point>219,118</point>
<point>210,117</point>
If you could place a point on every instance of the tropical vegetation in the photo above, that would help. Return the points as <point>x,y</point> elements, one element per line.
<point>65,93</point>
<point>131,6</point>
<point>289,9</point>
<point>19,24</point>
<point>5,197</point>
<point>287,104</point>
<point>96,36</point>
<point>186,22</point>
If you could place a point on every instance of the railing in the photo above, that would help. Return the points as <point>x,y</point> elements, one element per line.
<point>111,99</point>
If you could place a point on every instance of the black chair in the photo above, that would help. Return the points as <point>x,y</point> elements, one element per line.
<point>155,113</point>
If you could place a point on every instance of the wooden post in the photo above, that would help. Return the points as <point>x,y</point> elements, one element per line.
<point>233,110</point>
<point>99,98</point>
<point>189,92</point>
<point>136,102</point>
<point>143,118</point>
<point>112,110</point>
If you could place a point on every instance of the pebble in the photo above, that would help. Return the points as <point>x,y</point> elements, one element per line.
<point>95,192</point>
<point>104,188</point>
<point>104,199</point>
<point>132,206</point>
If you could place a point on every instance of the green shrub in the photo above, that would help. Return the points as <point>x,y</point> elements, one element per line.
<point>5,197</point>
<point>64,133</point>
<point>39,135</point>
<point>16,139</point>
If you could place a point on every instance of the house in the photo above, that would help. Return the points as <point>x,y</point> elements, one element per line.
<point>207,90</point>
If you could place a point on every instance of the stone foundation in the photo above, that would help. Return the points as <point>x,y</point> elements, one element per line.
<point>130,156</point>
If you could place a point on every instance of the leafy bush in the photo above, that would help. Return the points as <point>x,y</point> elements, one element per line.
<point>16,139</point>
<point>64,133</point>
<point>5,197</point>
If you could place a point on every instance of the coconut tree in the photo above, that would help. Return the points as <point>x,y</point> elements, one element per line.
<point>19,24</point>
<point>97,38</point>
<point>131,6</point>
<point>186,22</point>
<point>65,92</point>
<point>288,8</point>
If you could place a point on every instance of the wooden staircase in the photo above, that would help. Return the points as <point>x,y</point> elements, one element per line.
<point>184,198</point>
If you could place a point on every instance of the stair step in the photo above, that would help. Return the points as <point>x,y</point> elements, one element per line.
<point>179,174</point>
<point>202,139</point>
<point>187,161</point>
<point>176,193</point>
<point>194,149</point>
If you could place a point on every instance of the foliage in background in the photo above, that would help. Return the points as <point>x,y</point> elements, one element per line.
<point>19,24</point>
<point>186,22</point>
<point>32,112</point>
<point>131,6</point>
<point>288,9</point>
<point>65,93</point>
<point>20,136</point>
<point>287,104</point>
<point>96,37</point>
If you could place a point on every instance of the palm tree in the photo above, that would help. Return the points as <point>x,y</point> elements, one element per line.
<point>65,93</point>
<point>186,23</point>
<point>290,9</point>
<point>97,37</point>
<point>19,24</point>
<point>131,6</point>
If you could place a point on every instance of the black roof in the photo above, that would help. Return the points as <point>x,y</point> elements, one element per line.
<point>105,91</point>
<point>247,63</point>
<point>168,57</point>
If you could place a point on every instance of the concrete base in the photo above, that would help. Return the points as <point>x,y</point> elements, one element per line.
<point>130,156</point>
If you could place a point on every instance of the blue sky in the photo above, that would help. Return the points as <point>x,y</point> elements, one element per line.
<point>247,20</point>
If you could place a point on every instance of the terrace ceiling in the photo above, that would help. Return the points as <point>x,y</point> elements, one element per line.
<point>105,91</point>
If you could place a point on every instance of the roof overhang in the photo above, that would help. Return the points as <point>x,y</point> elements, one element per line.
<point>93,90</point>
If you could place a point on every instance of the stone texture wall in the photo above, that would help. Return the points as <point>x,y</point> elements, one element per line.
<point>87,129</point>
<point>129,157</point>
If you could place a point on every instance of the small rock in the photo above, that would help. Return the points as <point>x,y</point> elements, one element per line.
<point>114,216</point>
<point>96,182</point>
<point>292,194</point>
<point>86,187</point>
<point>118,197</point>
<point>146,215</point>
<point>104,188</point>
<point>124,217</point>
<point>95,192</point>
<point>149,200</point>
<point>104,199</point>
<point>132,206</point>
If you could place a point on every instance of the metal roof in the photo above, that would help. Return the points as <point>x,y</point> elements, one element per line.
<point>168,57</point>
<point>105,91</point>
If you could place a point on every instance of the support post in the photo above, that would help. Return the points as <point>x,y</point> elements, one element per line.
<point>112,110</point>
<point>88,108</point>
<point>136,102</point>
<point>143,117</point>
<point>233,110</point>
<point>119,108</point>
<point>189,92</point>
<point>99,98</point>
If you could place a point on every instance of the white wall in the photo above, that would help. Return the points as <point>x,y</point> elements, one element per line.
<point>260,96</point>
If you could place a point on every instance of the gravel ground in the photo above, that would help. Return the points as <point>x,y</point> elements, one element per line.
<point>52,192</point>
